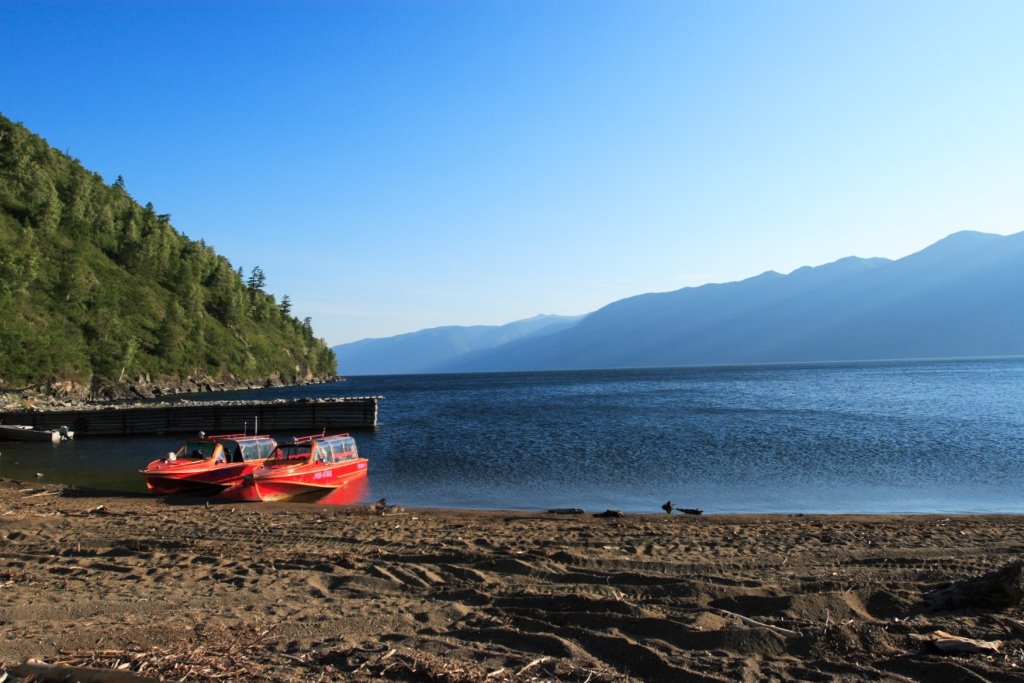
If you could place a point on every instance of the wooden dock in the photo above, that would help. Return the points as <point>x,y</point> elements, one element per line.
<point>300,416</point>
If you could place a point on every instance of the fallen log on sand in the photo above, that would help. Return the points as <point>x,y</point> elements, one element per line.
<point>947,642</point>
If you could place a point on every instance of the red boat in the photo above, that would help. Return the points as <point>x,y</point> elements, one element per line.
<point>311,466</point>
<point>208,464</point>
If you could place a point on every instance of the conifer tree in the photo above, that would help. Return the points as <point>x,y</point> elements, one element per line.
<point>256,280</point>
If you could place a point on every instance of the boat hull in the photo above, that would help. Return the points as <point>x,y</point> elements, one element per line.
<point>208,465</point>
<point>169,480</point>
<point>300,481</point>
<point>27,433</point>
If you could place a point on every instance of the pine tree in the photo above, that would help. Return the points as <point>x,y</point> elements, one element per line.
<point>256,280</point>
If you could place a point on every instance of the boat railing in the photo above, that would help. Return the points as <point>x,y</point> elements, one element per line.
<point>302,440</point>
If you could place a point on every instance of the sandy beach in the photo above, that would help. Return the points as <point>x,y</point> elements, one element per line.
<point>185,590</point>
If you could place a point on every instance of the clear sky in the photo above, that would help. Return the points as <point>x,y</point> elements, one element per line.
<point>393,166</point>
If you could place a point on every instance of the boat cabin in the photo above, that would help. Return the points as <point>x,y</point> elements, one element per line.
<point>227,448</point>
<point>320,449</point>
<point>335,449</point>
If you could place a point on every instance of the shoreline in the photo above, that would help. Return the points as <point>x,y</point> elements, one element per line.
<point>141,391</point>
<point>182,589</point>
<point>141,493</point>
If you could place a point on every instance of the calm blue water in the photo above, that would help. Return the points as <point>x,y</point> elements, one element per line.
<point>929,436</point>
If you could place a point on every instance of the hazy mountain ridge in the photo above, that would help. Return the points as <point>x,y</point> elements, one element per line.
<point>959,297</point>
<point>434,349</point>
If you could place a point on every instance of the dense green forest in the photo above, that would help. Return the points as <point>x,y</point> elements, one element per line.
<point>97,288</point>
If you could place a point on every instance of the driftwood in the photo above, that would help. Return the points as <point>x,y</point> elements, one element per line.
<point>47,673</point>
<point>947,642</point>
<point>995,590</point>
<point>669,507</point>
<point>43,492</point>
<point>539,660</point>
<point>789,633</point>
<point>566,511</point>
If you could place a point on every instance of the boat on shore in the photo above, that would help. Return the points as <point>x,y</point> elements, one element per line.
<point>208,464</point>
<point>29,433</point>
<point>309,467</point>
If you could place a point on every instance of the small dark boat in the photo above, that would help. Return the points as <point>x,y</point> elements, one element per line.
<point>29,433</point>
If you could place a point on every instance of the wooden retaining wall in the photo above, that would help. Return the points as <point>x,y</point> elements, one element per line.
<point>297,417</point>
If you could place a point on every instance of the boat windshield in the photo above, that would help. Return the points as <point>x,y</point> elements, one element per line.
<point>335,449</point>
<point>290,453</point>
<point>248,449</point>
<point>197,450</point>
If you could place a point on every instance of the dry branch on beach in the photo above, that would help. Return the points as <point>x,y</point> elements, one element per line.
<point>207,654</point>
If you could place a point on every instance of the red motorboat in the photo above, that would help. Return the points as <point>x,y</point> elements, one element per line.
<point>311,466</point>
<point>208,464</point>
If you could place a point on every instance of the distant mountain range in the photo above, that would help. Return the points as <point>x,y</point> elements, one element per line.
<point>961,297</point>
<point>440,348</point>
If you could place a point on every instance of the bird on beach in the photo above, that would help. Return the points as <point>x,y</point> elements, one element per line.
<point>668,507</point>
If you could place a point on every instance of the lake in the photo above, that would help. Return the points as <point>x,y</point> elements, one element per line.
<point>873,437</point>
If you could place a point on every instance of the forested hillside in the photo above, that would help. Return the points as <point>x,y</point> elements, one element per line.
<point>97,288</point>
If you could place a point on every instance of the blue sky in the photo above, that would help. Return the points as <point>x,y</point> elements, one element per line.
<point>393,166</point>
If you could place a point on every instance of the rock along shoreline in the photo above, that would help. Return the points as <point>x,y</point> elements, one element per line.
<point>100,392</point>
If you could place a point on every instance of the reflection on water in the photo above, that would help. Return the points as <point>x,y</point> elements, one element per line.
<point>101,463</point>
<point>857,437</point>
<point>352,492</point>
